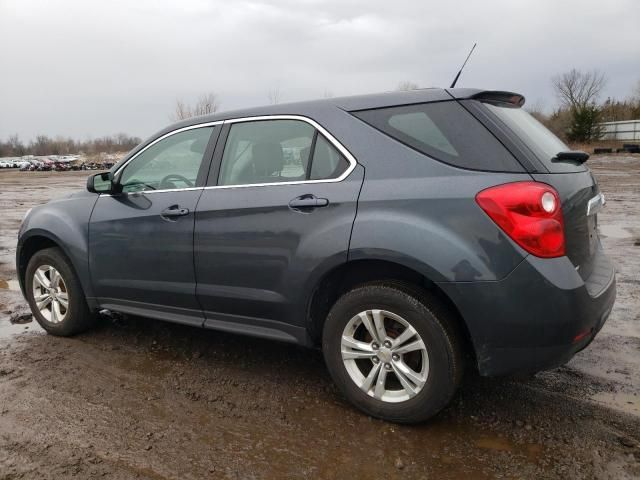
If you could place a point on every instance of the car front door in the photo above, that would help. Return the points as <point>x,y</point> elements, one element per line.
<point>141,240</point>
<point>278,208</point>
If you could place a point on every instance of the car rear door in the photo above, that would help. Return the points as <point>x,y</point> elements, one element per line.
<point>141,240</point>
<point>277,211</point>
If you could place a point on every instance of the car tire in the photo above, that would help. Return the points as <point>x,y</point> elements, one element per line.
<point>401,307</point>
<point>50,282</point>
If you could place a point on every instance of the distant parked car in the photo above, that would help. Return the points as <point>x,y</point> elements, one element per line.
<point>410,234</point>
<point>61,167</point>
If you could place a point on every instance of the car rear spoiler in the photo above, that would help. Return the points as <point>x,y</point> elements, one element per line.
<point>497,97</point>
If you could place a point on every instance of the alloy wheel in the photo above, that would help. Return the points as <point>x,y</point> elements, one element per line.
<point>50,294</point>
<point>385,356</point>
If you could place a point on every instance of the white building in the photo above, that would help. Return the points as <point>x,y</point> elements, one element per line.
<point>625,130</point>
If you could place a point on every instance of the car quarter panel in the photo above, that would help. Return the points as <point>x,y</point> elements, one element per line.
<point>422,213</point>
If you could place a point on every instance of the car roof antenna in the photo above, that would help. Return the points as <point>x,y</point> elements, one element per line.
<point>455,80</point>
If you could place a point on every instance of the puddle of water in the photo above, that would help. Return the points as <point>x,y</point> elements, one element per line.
<point>532,451</point>
<point>625,402</point>
<point>441,444</point>
<point>10,285</point>
<point>8,330</point>
<point>495,443</point>
<point>614,231</point>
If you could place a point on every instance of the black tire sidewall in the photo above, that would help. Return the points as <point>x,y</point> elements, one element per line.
<point>77,313</point>
<point>442,379</point>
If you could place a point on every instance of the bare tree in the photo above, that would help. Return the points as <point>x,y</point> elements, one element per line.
<point>274,95</point>
<point>578,90</point>
<point>636,92</point>
<point>406,85</point>
<point>41,145</point>
<point>181,111</point>
<point>16,145</point>
<point>206,104</point>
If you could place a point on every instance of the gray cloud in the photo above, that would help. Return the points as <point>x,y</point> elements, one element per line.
<point>88,68</point>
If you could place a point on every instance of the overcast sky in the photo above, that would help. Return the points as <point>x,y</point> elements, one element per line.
<point>86,68</point>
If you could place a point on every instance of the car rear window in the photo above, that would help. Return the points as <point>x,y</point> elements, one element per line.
<point>444,131</point>
<point>540,140</point>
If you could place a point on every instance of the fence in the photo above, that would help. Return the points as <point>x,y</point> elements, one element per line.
<point>626,130</point>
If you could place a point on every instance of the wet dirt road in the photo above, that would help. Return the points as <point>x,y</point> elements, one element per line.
<point>150,400</point>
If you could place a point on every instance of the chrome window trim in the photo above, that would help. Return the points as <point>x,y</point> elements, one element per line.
<point>350,158</point>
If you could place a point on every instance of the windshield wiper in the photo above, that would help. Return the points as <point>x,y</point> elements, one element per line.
<point>575,156</point>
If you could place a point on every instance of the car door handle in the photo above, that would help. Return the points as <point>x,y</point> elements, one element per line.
<point>174,211</point>
<point>308,202</point>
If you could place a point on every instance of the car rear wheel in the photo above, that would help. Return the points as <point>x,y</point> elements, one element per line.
<point>393,351</point>
<point>55,294</point>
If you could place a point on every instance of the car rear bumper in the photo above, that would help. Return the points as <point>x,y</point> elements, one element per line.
<point>536,318</point>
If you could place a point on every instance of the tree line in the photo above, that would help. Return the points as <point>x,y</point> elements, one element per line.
<point>44,145</point>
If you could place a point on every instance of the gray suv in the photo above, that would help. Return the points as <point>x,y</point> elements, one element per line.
<point>406,234</point>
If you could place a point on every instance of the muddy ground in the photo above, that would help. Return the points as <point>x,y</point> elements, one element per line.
<point>150,400</point>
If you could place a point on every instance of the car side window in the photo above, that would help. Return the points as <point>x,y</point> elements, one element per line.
<point>327,162</point>
<point>170,164</point>
<point>274,151</point>
<point>266,151</point>
<point>445,131</point>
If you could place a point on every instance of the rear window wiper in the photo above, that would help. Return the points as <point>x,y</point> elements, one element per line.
<point>574,156</point>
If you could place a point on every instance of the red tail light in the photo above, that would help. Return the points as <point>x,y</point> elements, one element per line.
<point>530,213</point>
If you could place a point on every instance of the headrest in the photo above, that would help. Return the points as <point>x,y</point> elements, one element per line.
<point>267,158</point>
<point>199,145</point>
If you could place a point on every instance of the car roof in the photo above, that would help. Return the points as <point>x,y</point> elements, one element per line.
<point>309,108</point>
<point>350,104</point>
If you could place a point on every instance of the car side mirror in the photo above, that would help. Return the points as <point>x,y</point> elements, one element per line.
<point>101,183</point>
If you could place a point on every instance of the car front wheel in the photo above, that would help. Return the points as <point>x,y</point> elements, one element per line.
<point>55,295</point>
<point>393,351</point>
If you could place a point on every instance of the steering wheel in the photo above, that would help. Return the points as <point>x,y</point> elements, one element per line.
<point>167,182</point>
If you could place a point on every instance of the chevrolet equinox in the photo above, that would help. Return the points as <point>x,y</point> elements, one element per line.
<point>406,234</point>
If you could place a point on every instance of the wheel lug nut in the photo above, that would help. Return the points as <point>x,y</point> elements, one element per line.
<point>375,346</point>
<point>375,359</point>
<point>395,356</point>
<point>387,344</point>
<point>387,366</point>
